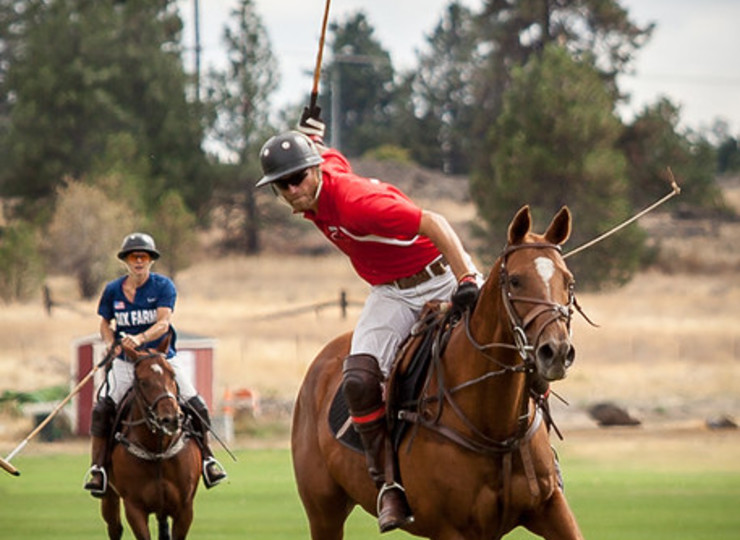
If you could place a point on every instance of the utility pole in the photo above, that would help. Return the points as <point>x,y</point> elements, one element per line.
<point>196,18</point>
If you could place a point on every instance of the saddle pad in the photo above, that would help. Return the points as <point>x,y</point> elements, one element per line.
<point>406,388</point>
<point>340,424</point>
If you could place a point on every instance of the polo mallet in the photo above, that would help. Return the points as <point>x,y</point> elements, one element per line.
<point>5,463</point>
<point>212,431</point>
<point>675,190</point>
<point>319,56</point>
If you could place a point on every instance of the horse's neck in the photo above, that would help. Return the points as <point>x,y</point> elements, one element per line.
<point>495,403</point>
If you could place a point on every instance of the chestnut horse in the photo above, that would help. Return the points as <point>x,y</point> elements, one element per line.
<point>477,461</point>
<point>155,464</point>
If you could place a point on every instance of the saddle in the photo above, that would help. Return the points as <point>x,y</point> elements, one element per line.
<point>408,376</point>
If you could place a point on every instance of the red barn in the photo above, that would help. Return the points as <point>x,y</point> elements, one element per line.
<point>195,352</point>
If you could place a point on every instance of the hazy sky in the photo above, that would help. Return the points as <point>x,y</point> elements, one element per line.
<point>692,58</point>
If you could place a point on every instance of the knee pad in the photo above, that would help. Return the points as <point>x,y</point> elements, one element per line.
<point>103,415</point>
<point>361,378</point>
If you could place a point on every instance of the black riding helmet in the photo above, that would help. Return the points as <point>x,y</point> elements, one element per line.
<point>138,242</point>
<point>287,153</point>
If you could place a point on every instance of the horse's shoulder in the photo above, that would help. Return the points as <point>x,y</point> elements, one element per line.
<point>339,346</point>
<point>328,362</point>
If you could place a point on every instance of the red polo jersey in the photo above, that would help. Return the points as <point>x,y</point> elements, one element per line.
<point>372,222</point>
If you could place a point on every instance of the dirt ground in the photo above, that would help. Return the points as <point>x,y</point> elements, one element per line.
<point>667,348</point>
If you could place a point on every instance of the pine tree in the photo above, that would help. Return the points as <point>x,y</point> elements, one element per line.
<point>240,100</point>
<point>555,145</point>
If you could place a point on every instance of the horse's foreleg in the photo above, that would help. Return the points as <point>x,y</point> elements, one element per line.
<point>556,520</point>
<point>138,520</point>
<point>327,525</point>
<point>181,523</point>
<point>110,509</point>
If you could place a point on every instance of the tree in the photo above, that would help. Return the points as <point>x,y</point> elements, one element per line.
<point>728,155</point>
<point>86,229</point>
<point>240,101</point>
<point>361,87</point>
<point>511,31</point>
<point>555,145</point>
<point>84,71</point>
<point>21,264</point>
<point>443,91</point>
<point>728,150</point>
<point>175,233</point>
<point>653,142</point>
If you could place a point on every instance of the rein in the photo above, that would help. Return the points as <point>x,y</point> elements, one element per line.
<point>477,441</point>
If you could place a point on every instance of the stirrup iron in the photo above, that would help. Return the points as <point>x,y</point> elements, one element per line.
<point>88,478</point>
<point>207,480</point>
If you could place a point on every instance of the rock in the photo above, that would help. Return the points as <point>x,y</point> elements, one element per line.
<point>721,422</point>
<point>609,414</point>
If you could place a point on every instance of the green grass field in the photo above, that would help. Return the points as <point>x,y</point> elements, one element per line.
<point>260,502</point>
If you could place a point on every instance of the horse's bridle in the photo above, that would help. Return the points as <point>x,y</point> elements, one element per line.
<point>479,442</point>
<point>519,325</point>
<point>150,416</point>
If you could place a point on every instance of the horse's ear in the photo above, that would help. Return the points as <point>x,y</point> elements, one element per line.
<point>559,229</point>
<point>520,225</point>
<point>164,345</point>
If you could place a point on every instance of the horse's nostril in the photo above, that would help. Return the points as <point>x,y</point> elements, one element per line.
<point>548,353</point>
<point>571,356</point>
<point>545,353</point>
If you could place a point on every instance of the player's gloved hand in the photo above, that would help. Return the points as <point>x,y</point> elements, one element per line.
<point>466,294</point>
<point>311,124</point>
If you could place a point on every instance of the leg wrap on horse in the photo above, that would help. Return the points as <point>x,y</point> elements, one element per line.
<point>213,472</point>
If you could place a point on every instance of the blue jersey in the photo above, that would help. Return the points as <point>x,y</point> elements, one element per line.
<point>135,317</point>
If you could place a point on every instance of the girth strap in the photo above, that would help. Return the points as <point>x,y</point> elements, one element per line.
<point>140,452</point>
<point>488,447</point>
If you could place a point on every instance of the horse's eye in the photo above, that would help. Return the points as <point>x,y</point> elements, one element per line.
<point>515,282</point>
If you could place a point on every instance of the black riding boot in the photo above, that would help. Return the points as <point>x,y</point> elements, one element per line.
<point>103,416</point>
<point>361,385</point>
<point>213,472</point>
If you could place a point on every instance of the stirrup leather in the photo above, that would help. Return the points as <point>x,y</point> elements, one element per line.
<point>220,474</point>
<point>88,478</point>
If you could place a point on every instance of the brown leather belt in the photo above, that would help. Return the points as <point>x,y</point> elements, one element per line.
<point>435,268</point>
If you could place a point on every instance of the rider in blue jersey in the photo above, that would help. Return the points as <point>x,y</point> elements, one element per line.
<point>137,309</point>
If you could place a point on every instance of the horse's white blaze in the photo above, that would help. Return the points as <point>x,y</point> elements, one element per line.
<point>546,269</point>
<point>156,368</point>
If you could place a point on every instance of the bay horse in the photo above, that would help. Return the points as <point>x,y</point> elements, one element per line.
<point>155,464</point>
<point>476,461</point>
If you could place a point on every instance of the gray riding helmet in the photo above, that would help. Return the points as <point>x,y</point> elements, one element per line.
<point>138,242</point>
<point>287,153</point>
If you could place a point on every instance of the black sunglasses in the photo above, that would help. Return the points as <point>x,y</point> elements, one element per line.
<point>292,180</point>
